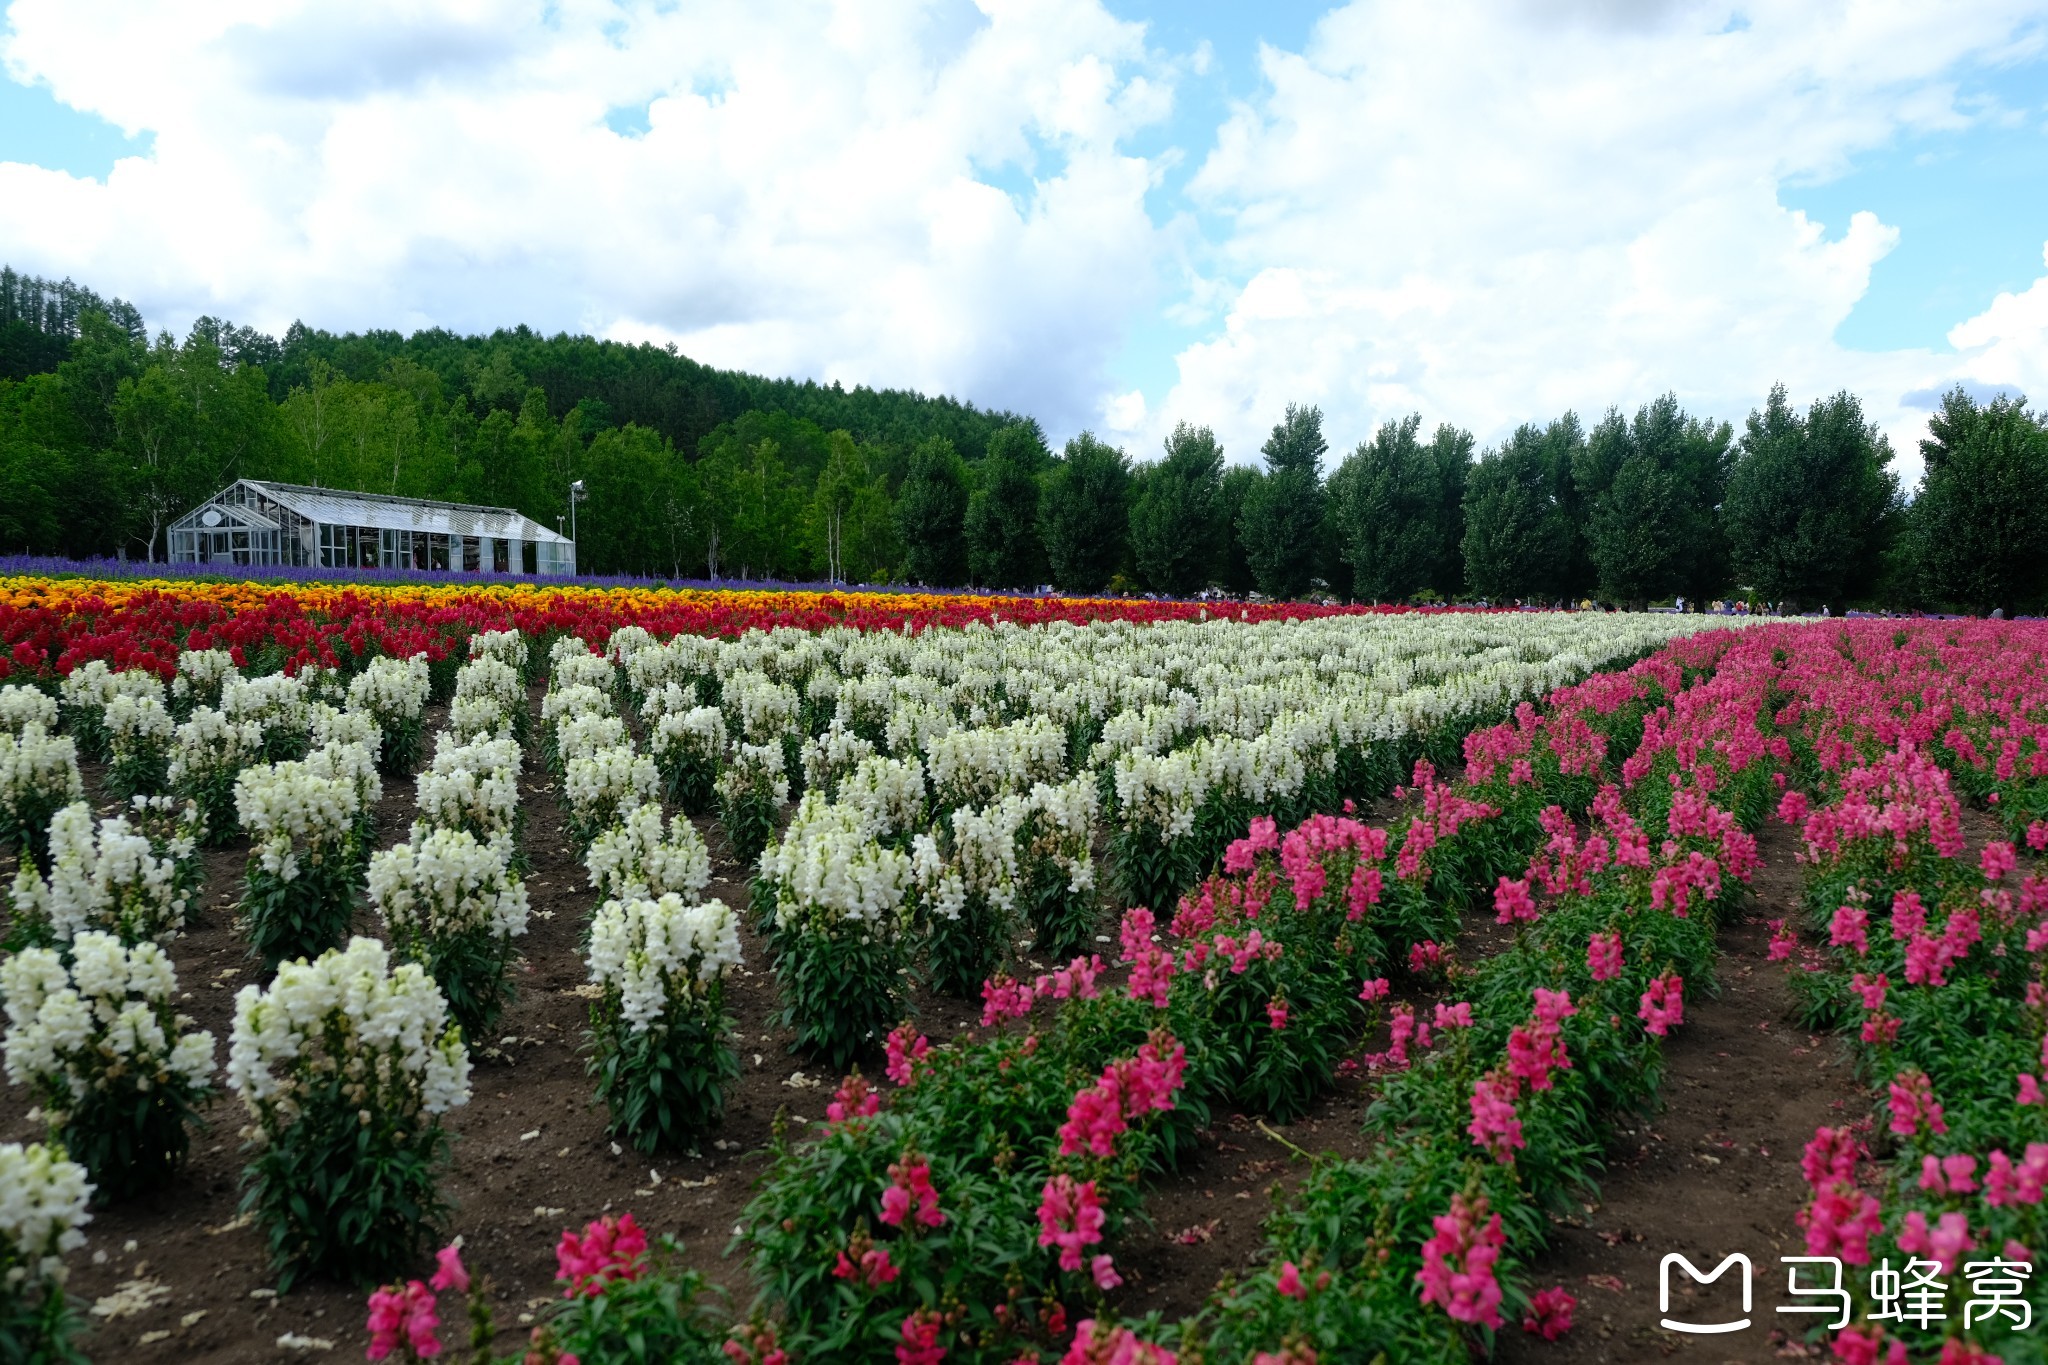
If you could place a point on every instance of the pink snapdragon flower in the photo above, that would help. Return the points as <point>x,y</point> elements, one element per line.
<point>905,1048</point>
<point>1952,1174</point>
<point>1276,1012</point>
<point>609,1249</point>
<point>1550,1313</point>
<point>408,1313</point>
<point>1495,1125</point>
<point>2007,1184</point>
<point>912,1190</point>
<point>917,1342</point>
<point>1003,998</point>
<point>1457,1262</point>
<point>449,1272</point>
<point>1075,981</point>
<point>1945,1242</point>
<point>1455,1015</point>
<point>874,1269</point>
<point>1849,929</point>
<point>853,1100</point>
<point>1512,902</point>
<point>1998,858</point>
<point>1861,1346</point>
<point>1913,1103</point>
<point>1111,1346</point>
<point>1603,956</point>
<point>1663,1004</point>
<point>1070,1217</point>
<point>1426,958</point>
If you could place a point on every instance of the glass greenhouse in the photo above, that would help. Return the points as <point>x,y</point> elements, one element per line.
<point>255,521</point>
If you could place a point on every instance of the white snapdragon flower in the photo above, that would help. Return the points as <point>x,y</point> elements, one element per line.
<point>106,1024</point>
<point>21,706</point>
<point>291,810</point>
<point>1163,792</point>
<point>202,673</point>
<point>325,725</point>
<point>697,733</point>
<point>383,1031</point>
<point>105,875</point>
<point>831,874</point>
<point>508,647</point>
<point>637,859</point>
<point>582,734</point>
<point>487,683</point>
<point>627,643</point>
<point>755,769</point>
<point>276,703</point>
<point>661,957</point>
<point>472,786</point>
<point>43,1201</point>
<point>392,690</point>
<point>758,708</point>
<point>577,699</point>
<point>446,884</point>
<point>37,770</point>
<point>890,793</point>
<point>599,785</point>
<point>210,745</point>
<point>829,757</point>
<point>580,668</point>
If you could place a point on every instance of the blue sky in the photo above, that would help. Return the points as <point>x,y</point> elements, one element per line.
<point>1113,214</point>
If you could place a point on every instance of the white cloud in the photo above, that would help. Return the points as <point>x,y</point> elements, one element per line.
<point>1490,214</point>
<point>1486,211</point>
<point>2007,343</point>
<point>810,195</point>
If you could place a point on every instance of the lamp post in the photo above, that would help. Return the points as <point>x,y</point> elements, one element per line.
<point>577,493</point>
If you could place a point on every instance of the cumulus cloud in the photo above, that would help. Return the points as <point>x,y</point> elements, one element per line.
<point>2007,344</point>
<point>813,189</point>
<point>1493,213</point>
<point>1488,212</point>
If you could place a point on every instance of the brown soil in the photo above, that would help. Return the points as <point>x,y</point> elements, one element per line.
<point>1716,1172</point>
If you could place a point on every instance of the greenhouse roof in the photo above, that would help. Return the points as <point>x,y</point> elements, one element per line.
<point>340,507</point>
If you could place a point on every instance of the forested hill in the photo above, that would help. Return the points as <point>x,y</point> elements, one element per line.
<point>105,435</point>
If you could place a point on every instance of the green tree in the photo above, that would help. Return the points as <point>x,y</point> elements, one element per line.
<point>931,515</point>
<point>1653,489</point>
<point>1001,526</point>
<point>1281,519</point>
<point>1397,506</point>
<point>1176,529</point>
<point>627,522</point>
<point>1521,538</point>
<point>873,553</point>
<point>1811,504</point>
<point>1083,514</point>
<point>839,483</point>
<point>1233,568</point>
<point>1979,535</point>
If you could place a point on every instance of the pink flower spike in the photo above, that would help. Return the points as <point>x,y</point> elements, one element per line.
<point>1998,859</point>
<point>1289,1284</point>
<point>1550,1313</point>
<point>1103,1268</point>
<point>450,1273</point>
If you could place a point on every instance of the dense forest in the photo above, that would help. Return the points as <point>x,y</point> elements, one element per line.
<point>107,434</point>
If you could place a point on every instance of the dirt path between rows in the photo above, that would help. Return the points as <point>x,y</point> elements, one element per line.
<point>1716,1172</point>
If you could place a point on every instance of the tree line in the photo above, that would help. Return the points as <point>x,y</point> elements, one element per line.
<point>106,435</point>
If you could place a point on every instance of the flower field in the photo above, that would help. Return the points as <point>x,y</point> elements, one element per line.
<point>798,977</point>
